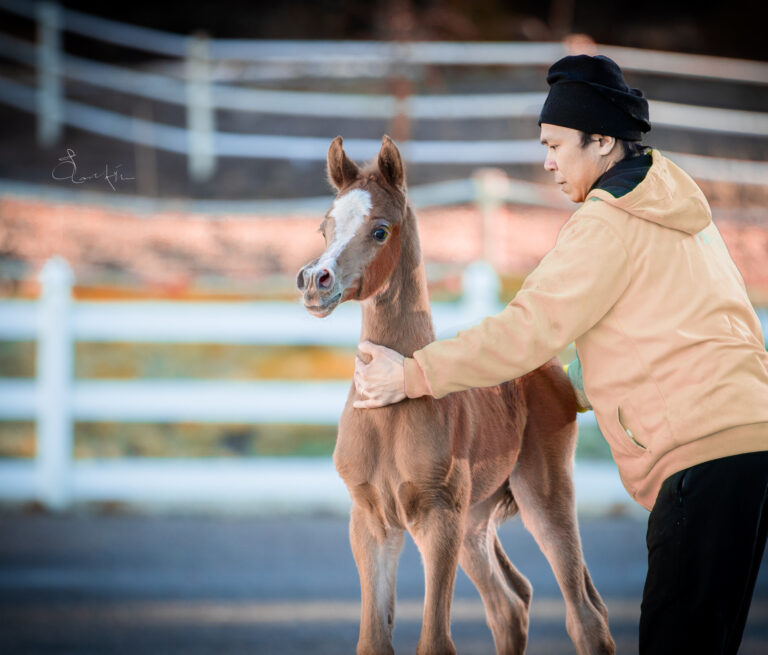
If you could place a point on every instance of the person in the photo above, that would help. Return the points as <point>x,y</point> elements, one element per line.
<point>670,354</point>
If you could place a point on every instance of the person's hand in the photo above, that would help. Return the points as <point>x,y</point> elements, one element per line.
<point>380,381</point>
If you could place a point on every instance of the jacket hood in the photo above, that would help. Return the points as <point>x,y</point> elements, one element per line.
<point>653,188</point>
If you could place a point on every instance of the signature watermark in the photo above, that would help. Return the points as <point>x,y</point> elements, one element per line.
<point>66,169</point>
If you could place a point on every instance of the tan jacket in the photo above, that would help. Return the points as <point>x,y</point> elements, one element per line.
<point>672,352</point>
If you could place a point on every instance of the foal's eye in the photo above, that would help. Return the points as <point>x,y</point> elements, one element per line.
<point>380,234</point>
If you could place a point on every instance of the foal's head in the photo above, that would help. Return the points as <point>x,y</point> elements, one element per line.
<point>361,230</point>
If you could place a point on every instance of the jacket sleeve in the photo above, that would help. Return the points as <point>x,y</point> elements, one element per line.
<point>571,289</point>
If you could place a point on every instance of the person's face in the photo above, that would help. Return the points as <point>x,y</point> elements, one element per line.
<point>576,167</point>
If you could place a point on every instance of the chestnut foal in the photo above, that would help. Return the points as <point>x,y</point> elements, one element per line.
<point>449,470</point>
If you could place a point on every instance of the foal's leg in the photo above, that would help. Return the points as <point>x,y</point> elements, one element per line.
<point>436,526</point>
<point>542,484</point>
<point>376,547</point>
<point>505,591</point>
<point>439,540</point>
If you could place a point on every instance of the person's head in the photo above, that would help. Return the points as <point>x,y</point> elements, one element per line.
<point>578,158</point>
<point>590,121</point>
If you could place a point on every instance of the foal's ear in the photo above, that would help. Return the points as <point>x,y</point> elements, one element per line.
<point>391,163</point>
<point>341,169</point>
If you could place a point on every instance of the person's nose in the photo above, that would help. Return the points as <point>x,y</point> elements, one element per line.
<point>549,164</point>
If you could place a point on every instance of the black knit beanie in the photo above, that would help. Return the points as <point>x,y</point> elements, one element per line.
<point>590,94</point>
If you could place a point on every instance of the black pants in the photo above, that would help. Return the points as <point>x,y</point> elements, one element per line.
<point>706,536</point>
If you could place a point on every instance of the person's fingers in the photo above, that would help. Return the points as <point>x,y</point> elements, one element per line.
<point>367,347</point>
<point>372,349</point>
<point>359,375</point>
<point>377,382</point>
<point>365,351</point>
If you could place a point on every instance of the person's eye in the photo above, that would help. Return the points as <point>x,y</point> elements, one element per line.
<point>380,234</point>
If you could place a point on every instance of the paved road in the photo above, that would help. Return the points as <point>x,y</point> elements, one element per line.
<point>151,584</point>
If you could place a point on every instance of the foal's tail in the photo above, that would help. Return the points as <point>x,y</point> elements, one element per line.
<point>507,507</point>
<point>545,391</point>
<point>549,392</point>
<point>551,409</point>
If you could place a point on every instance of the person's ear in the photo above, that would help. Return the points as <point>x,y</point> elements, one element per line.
<point>605,144</point>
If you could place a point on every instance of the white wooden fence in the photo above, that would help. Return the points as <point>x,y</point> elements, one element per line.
<point>197,90</point>
<point>55,400</point>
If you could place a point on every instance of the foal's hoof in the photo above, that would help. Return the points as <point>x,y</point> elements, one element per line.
<point>367,649</point>
<point>437,649</point>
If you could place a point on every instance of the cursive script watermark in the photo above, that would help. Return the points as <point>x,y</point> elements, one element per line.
<point>66,169</point>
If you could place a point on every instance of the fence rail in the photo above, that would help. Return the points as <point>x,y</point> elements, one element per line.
<point>359,106</point>
<point>269,146</point>
<point>383,54</point>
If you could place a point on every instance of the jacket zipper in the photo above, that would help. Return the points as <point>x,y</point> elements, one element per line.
<point>628,432</point>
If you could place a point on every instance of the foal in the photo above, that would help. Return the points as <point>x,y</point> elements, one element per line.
<point>449,470</point>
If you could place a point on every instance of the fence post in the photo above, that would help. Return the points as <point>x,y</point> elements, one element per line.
<point>480,292</point>
<point>491,192</point>
<point>201,161</point>
<point>401,83</point>
<point>54,385</point>
<point>48,73</point>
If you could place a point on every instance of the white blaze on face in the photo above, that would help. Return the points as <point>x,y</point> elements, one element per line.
<point>349,212</point>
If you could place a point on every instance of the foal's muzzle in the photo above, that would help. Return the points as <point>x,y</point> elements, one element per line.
<point>319,287</point>
<point>321,278</point>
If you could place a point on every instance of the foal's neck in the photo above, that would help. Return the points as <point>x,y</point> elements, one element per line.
<point>399,316</point>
